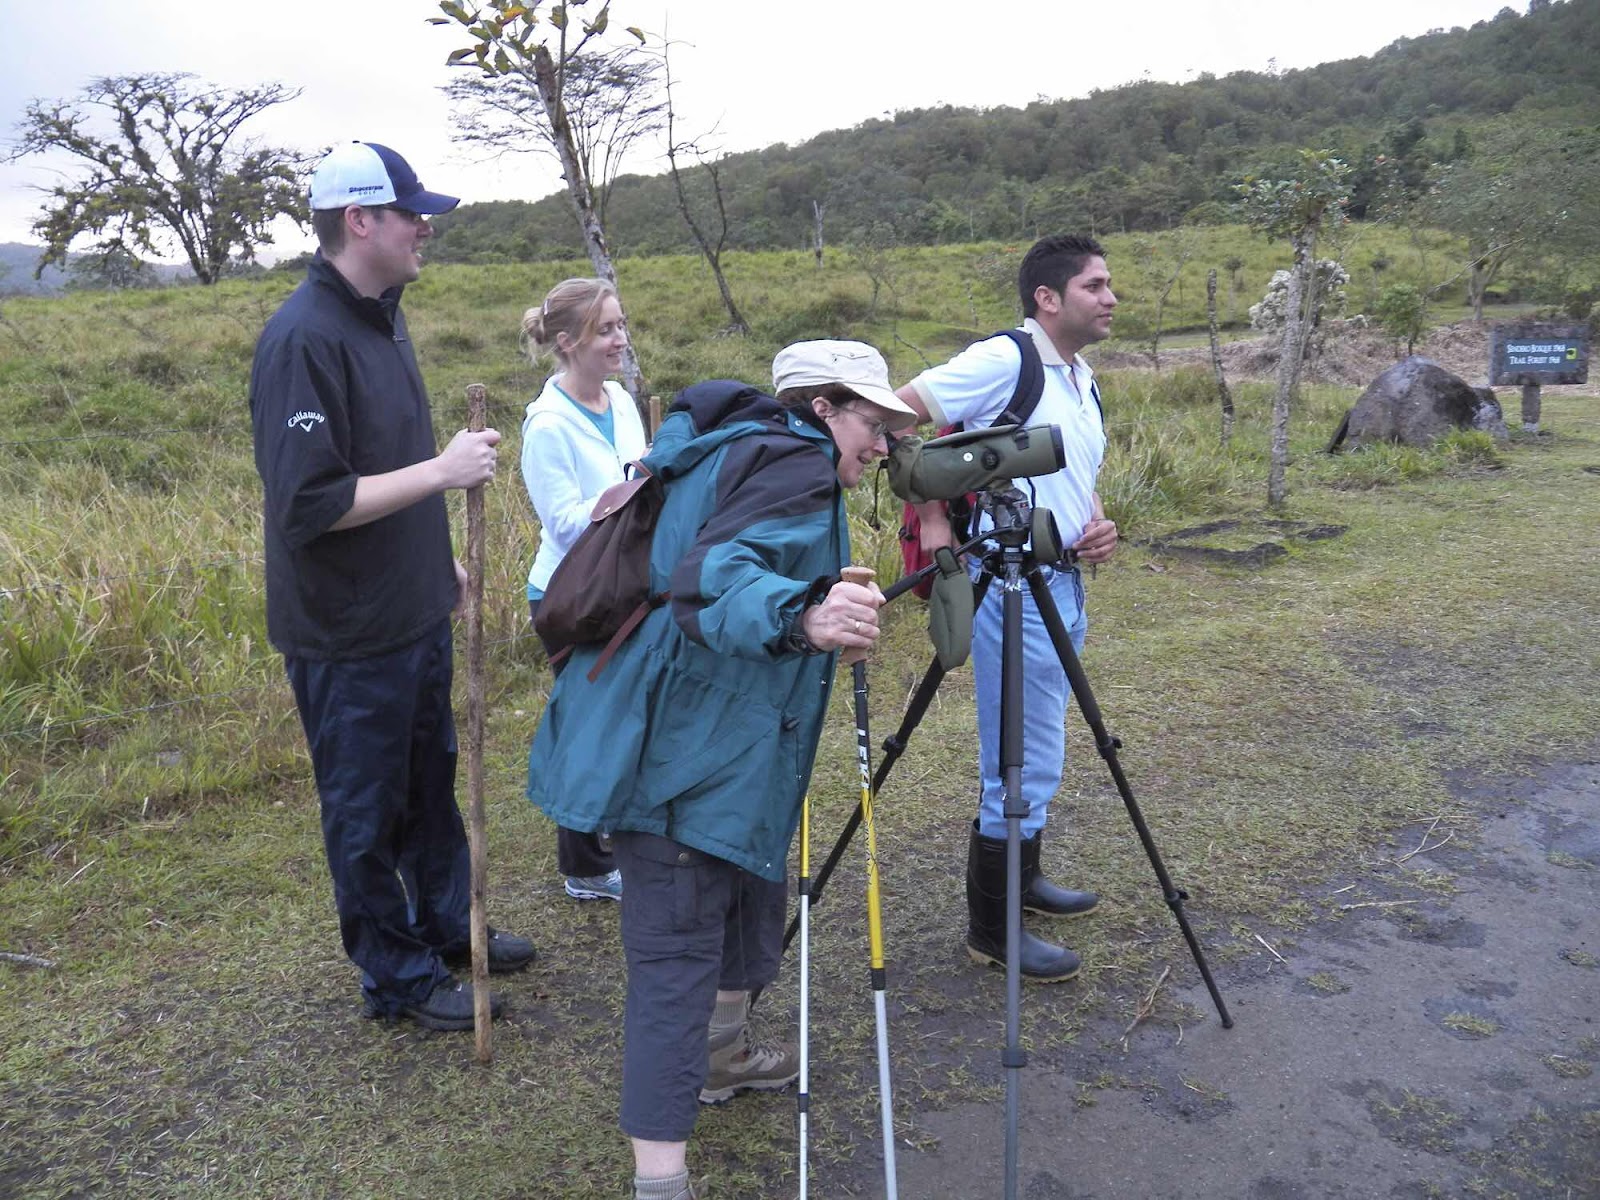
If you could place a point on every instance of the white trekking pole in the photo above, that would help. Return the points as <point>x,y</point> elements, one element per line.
<point>803,1099</point>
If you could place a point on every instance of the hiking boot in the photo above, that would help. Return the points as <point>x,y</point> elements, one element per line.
<point>740,1065</point>
<point>595,887</point>
<point>448,1007</point>
<point>507,953</point>
<point>1041,896</point>
<point>1040,961</point>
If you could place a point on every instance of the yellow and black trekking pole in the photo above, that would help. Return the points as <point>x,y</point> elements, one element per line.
<point>803,1099</point>
<point>858,670</point>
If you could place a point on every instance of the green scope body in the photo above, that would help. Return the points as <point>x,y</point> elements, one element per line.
<point>973,460</point>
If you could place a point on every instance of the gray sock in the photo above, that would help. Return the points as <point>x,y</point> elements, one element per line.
<point>729,1014</point>
<point>668,1187</point>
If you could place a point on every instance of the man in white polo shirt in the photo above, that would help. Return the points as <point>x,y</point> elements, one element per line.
<point>1067,304</point>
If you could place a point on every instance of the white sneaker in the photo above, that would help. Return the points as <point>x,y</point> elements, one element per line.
<point>595,887</point>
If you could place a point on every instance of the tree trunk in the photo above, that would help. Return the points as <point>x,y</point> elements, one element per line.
<point>817,210</point>
<point>1477,284</point>
<point>1223,394</point>
<point>594,236</point>
<point>1289,368</point>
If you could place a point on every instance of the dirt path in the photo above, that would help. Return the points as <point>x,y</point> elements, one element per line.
<point>1443,1046</point>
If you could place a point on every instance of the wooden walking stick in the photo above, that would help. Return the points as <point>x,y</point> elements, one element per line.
<point>477,835</point>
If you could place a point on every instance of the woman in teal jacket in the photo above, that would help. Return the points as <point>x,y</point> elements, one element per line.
<point>693,746</point>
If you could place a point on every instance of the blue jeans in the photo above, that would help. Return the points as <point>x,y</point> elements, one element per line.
<point>1045,693</point>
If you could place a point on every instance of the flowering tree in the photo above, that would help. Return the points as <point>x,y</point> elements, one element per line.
<point>1327,293</point>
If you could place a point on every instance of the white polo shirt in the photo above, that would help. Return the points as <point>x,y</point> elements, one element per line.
<point>974,388</point>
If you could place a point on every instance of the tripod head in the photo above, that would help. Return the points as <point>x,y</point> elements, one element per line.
<point>1016,523</point>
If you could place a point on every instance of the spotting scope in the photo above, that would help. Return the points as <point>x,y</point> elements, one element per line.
<point>973,460</point>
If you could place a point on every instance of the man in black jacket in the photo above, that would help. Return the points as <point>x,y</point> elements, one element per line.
<point>361,583</point>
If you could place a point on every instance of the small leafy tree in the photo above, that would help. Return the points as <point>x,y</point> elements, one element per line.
<point>1297,207</point>
<point>164,163</point>
<point>513,39</point>
<point>1233,264</point>
<point>1402,313</point>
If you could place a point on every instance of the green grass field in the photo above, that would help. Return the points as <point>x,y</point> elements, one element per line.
<point>200,1031</point>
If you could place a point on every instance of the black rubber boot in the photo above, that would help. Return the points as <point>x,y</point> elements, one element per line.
<point>1042,961</point>
<point>1041,896</point>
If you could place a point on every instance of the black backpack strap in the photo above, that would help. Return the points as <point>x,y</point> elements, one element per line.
<point>1030,380</point>
<point>1094,394</point>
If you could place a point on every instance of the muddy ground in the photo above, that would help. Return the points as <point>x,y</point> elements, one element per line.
<point>1424,1045</point>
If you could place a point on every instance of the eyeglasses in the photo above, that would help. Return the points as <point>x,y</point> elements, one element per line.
<point>878,429</point>
<point>415,218</point>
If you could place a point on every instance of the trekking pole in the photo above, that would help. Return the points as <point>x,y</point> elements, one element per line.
<point>803,1099</point>
<point>893,746</point>
<point>858,671</point>
<point>477,838</point>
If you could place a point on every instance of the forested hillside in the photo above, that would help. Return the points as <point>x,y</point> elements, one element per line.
<point>1143,156</point>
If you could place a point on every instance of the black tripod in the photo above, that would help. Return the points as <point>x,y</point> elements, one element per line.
<point>1011,562</point>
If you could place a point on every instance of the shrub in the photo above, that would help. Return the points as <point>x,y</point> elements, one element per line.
<point>1402,313</point>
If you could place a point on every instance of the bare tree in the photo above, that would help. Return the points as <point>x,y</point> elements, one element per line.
<point>1161,260</point>
<point>165,164</point>
<point>1223,394</point>
<point>711,167</point>
<point>509,39</point>
<point>610,102</point>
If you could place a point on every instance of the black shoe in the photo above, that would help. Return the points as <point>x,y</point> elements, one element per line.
<point>1040,961</point>
<point>1041,896</point>
<point>448,1007</point>
<point>507,953</point>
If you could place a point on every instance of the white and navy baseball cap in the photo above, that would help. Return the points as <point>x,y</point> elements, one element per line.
<point>366,173</point>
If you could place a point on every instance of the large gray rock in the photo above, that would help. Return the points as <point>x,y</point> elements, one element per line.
<point>1417,402</point>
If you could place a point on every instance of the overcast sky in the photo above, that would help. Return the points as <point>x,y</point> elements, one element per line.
<point>761,71</point>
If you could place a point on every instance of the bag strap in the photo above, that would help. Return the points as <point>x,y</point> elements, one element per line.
<point>645,608</point>
<point>1030,380</point>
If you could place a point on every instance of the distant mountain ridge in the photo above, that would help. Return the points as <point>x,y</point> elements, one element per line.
<point>17,261</point>
<point>1145,155</point>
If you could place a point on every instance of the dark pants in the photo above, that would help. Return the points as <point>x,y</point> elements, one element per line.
<point>581,854</point>
<point>383,747</point>
<point>691,924</point>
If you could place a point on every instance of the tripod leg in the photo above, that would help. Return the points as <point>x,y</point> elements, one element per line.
<point>1012,1057</point>
<point>893,748</point>
<point>1108,745</point>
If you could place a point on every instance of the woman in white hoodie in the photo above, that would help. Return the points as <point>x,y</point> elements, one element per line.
<point>576,439</point>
